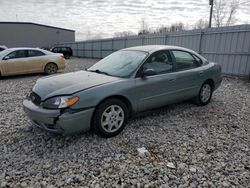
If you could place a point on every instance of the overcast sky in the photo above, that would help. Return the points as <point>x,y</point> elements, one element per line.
<point>102,18</point>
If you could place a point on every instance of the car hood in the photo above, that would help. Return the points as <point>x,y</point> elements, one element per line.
<point>69,83</point>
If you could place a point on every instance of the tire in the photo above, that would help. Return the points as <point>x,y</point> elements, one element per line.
<point>67,56</point>
<point>110,118</point>
<point>205,94</point>
<point>50,68</point>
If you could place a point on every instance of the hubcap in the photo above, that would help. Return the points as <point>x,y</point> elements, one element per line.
<point>112,118</point>
<point>205,93</point>
<point>51,68</point>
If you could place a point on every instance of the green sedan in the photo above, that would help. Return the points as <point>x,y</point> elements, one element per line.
<point>126,82</point>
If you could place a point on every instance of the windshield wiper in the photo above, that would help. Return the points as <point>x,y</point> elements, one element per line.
<point>99,72</point>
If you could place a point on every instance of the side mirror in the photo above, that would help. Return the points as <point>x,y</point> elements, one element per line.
<point>148,72</point>
<point>6,58</point>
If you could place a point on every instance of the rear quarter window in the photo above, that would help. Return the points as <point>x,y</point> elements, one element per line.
<point>35,53</point>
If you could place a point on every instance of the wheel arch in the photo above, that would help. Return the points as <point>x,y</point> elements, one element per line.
<point>211,81</point>
<point>123,99</point>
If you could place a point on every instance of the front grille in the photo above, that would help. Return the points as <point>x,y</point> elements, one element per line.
<point>36,99</point>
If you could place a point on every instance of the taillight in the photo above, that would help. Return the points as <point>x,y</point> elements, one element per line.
<point>62,56</point>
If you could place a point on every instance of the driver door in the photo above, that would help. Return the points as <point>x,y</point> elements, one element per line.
<point>13,63</point>
<point>156,90</point>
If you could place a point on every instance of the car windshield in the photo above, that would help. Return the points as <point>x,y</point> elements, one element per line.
<point>4,52</point>
<point>119,64</point>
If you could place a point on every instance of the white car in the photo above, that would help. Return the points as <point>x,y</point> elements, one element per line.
<point>15,61</point>
<point>2,47</point>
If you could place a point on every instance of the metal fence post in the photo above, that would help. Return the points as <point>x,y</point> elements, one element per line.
<point>143,40</point>
<point>200,42</point>
<point>248,55</point>
<point>83,50</point>
<point>125,42</point>
<point>92,48</point>
<point>112,45</point>
<point>166,39</point>
<point>77,49</point>
<point>101,49</point>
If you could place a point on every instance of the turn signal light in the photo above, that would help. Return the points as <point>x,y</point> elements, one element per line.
<point>72,101</point>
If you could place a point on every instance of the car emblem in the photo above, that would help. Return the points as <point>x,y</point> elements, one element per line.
<point>33,98</point>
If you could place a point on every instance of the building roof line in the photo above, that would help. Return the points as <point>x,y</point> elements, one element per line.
<point>42,25</point>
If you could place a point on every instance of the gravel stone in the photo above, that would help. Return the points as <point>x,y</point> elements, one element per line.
<point>3,184</point>
<point>171,165</point>
<point>23,184</point>
<point>213,139</point>
<point>192,169</point>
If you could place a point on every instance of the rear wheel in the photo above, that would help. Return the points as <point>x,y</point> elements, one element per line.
<point>110,118</point>
<point>51,68</point>
<point>67,56</point>
<point>205,94</point>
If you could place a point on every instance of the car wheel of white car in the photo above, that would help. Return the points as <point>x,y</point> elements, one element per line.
<point>205,94</point>
<point>51,68</point>
<point>110,118</point>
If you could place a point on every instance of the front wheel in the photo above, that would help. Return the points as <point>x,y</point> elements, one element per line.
<point>205,94</point>
<point>110,118</point>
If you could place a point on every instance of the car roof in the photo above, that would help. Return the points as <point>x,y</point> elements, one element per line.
<point>23,48</point>
<point>9,50</point>
<point>153,48</point>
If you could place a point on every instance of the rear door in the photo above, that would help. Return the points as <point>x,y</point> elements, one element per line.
<point>14,62</point>
<point>189,74</point>
<point>36,61</point>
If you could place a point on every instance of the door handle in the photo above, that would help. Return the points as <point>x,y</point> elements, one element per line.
<point>201,73</point>
<point>171,79</point>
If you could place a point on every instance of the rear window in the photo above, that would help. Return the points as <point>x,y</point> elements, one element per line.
<point>184,60</point>
<point>35,53</point>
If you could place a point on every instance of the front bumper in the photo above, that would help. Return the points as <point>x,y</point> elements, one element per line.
<point>57,122</point>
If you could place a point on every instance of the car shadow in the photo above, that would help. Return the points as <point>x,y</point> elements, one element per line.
<point>163,110</point>
<point>43,142</point>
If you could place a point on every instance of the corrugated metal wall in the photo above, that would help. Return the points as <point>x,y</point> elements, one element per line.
<point>229,46</point>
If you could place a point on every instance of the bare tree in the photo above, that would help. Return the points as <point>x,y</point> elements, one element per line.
<point>123,34</point>
<point>179,26</point>
<point>224,12</point>
<point>144,28</point>
<point>162,29</point>
<point>176,27</point>
<point>201,24</point>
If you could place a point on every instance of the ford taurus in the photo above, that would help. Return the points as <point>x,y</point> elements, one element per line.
<point>128,81</point>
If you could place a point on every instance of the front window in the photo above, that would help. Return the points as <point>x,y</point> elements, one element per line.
<point>120,64</point>
<point>18,54</point>
<point>160,62</point>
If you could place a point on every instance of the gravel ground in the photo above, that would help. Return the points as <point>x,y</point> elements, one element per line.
<point>189,146</point>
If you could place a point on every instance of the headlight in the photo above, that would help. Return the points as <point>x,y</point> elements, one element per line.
<point>28,95</point>
<point>60,102</point>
